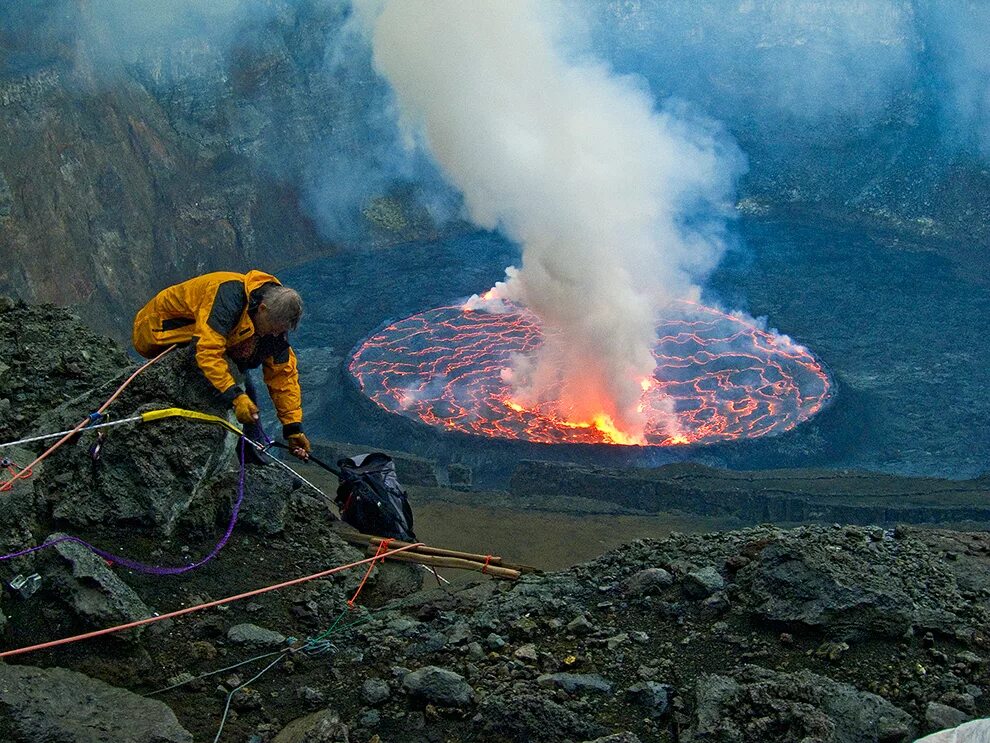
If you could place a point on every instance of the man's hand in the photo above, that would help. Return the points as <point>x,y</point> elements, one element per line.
<point>245,410</point>
<point>300,445</point>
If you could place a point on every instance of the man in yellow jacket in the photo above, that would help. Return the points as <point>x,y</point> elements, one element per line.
<point>242,317</point>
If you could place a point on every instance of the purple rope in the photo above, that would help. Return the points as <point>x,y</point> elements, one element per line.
<point>141,567</point>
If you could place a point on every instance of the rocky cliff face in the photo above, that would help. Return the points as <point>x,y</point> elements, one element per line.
<point>118,177</point>
<point>103,200</point>
<point>124,167</point>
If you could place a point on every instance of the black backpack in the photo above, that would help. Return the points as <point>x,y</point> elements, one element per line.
<point>371,499</point>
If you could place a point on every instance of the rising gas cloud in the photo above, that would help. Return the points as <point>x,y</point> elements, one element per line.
<point>618,205</point>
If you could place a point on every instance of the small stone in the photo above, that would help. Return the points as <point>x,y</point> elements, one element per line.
<point>246,698</point>
<point>699,584</point>
<point>831,650</point>
<point>495,642</point>
<point>182,678</point>
<point>736,563</point>
<point>252,634</point>
<point>576,682</point>
<point>580,625</point>
<point>460,633</point>
<point>786,638</point>
<point>614,642</point>
<point>653,697</point>
<point>440,686</point>
<point>524,626</point>
<point>374,691</point>
<point>310,695</point>
<point>648,581</point>
<point>202,650</point>
<point>526,653</point>
<point>716,604</point>
<point>370,718</point>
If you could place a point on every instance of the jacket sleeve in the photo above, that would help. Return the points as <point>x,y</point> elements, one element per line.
<point>282,378</point>
<point>211,345</point>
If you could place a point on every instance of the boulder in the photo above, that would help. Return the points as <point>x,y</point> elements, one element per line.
<point>941,716</point>
<point>83,580</point>
<point>849,589</point>
<point>54,704</point>
<point>148,474</point>
<point>759,704</point>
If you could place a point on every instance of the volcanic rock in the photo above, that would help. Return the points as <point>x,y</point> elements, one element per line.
<point>859,586</point>
<point>526,716</point>
<point>759,704</point>
<point>59,705</point>
<point>646,582</point>
<point>252,634</point>
<point>654,698</point>
<point>320,727</point>
<point>576,683</point>
<point>39,373</point>
<point>942,716</point>
<point>82,580</point>
<point>699,584</point>
<point>440,686</point>
<point>375,691</point>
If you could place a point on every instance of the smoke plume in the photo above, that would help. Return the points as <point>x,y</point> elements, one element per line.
<point>618,207</point>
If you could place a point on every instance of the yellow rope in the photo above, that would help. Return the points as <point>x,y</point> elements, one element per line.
<point>156,415</point>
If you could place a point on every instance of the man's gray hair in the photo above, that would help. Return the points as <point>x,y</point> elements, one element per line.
<point>284,305</point>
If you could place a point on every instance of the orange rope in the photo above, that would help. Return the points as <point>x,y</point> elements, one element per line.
<point>382,549</point>
<point>26,472</point>
<point>207,605</point>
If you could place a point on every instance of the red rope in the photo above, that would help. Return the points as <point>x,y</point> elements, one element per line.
<point>207,605</point>
<point>26,472</point>
<point>484,568</point>
<point>382,549</point>
<point>12,469</point>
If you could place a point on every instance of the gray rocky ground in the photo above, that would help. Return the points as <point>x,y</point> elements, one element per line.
<point>812,633</point>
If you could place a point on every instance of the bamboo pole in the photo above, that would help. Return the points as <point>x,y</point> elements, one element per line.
<point>438,561</point>
<point>423,549</point>
<point>363,539</point>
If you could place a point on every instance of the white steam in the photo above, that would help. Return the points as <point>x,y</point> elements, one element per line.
<point>616,205</point>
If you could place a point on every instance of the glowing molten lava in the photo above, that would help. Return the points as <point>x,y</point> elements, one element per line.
<point>718,377</point>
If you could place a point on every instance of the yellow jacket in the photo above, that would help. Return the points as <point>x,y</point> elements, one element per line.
<point>212,312</point>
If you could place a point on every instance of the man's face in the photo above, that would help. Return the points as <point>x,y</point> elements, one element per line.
<point>263,324</point>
